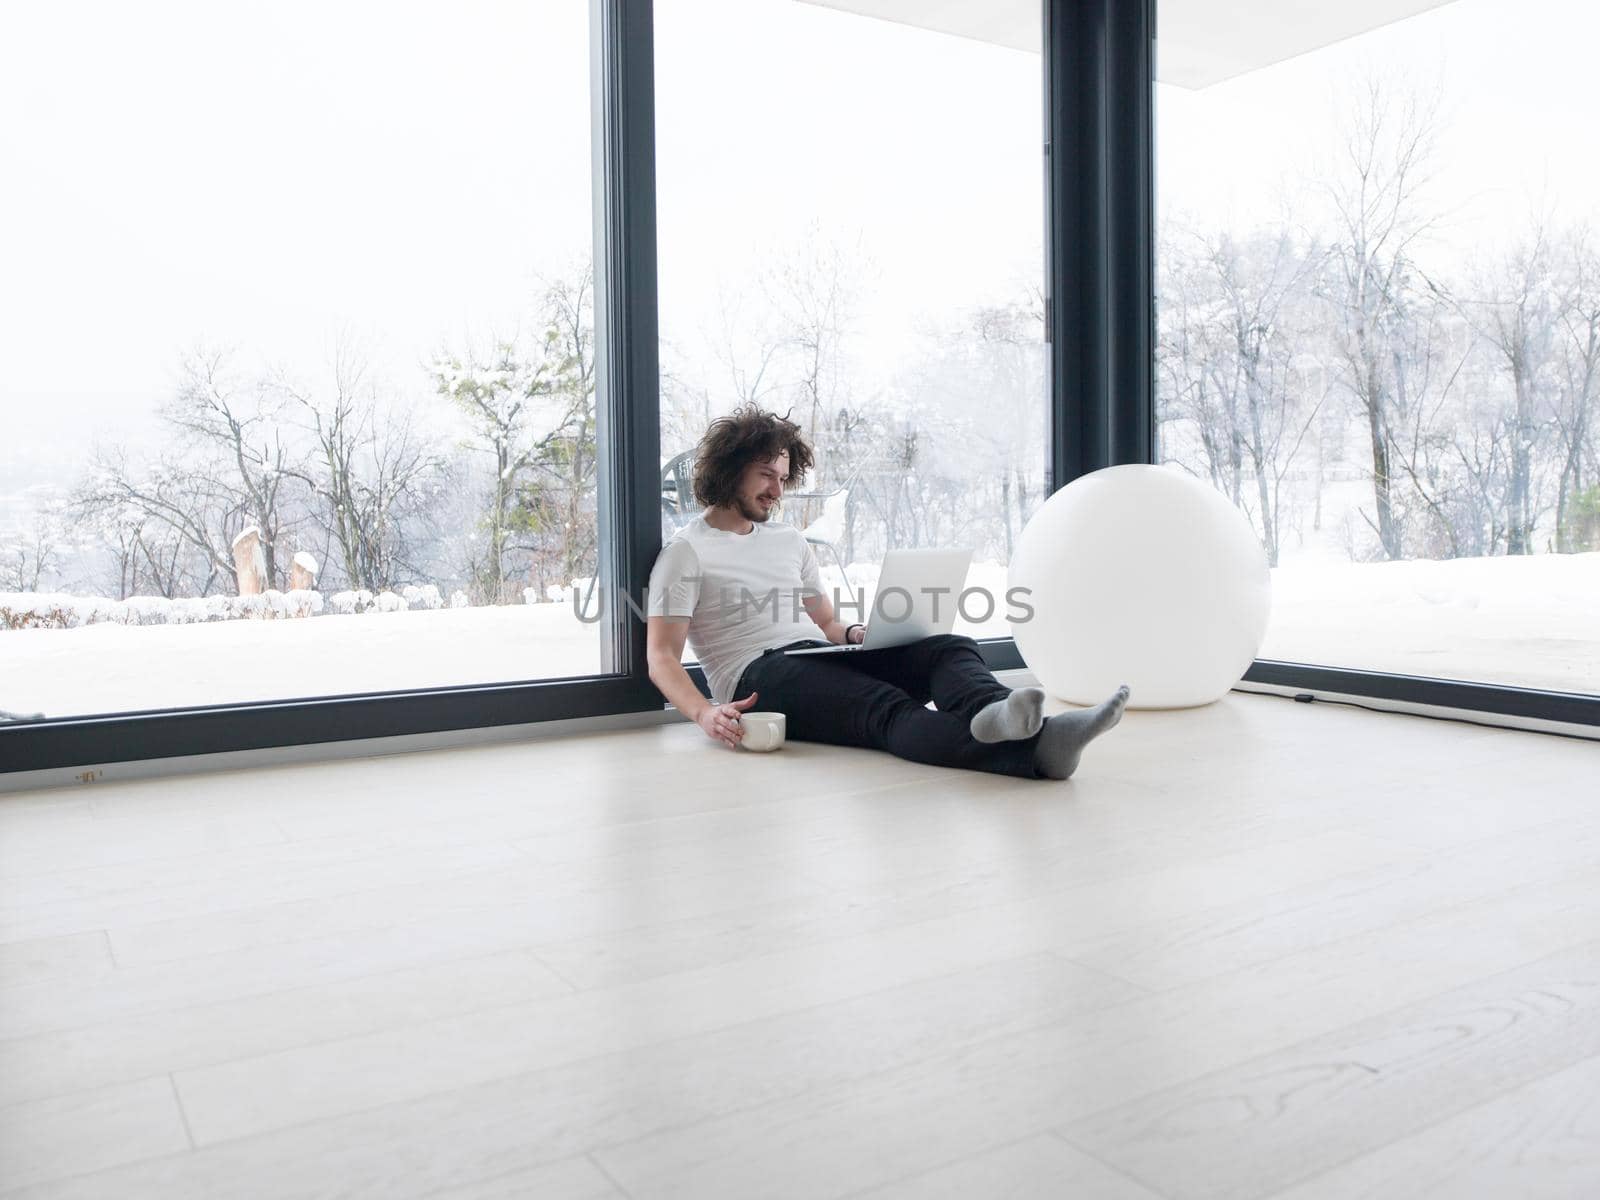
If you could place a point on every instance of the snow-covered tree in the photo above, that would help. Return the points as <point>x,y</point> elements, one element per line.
<point>1514,305</point>
<point>237,443</point>
<point>1578,392</point>
<point>1231,345</point>
<point>529,405</point>
<point>161,526</point>
<point>1380,211</point>
<point>371,471</point>
<point>31,556</point>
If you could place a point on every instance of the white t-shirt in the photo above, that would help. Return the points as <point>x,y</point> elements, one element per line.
<point>741,592</point>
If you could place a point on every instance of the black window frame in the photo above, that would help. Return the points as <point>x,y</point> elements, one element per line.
<point>1098,75</point>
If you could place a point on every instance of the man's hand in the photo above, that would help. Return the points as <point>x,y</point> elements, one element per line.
<point>721,721</point>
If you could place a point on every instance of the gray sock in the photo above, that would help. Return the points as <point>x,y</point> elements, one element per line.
<point>1064,736</point>
<point>1016,717</point>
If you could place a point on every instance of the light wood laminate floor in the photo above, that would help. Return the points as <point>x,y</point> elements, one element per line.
<point>1259,949</point>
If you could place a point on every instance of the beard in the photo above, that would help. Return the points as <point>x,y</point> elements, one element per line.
<point>751,510</point>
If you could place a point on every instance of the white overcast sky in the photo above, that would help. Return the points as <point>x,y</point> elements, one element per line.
<point>1519,113</point>
<point>263,175</point>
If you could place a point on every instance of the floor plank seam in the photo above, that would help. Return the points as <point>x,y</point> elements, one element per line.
<point>533,946</point>
<point>788,803</point>
<point>489,869</point>
<point>942,1165</point>
<point>1041,1020</point>
<point>1356,1156</point>
<point>1289,1048</point>
<point>1145,988</point>
<point>1571,823</point>
<point>1387,926</point>
<point>866,1077</point>
<point>513,837</point>
<point>175,861</point>
<point>572,987</point>
<point>610,1178</point>
<point>264,872</point>
<point>328,898</point>
<point>183,1113</point>
<point>80,1177</point>
<point>289,991</point>
<point>1498,1098</point>
<point>777,854</point>
<point>1044,894</point>
<point>1114,1168</point>
<point>1425,998</point>
<point>321,899</point>
<point>499,867</point>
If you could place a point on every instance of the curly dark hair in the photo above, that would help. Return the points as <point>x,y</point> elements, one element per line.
<point>747,434</point>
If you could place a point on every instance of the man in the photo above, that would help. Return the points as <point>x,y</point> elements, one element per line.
<point>742,589</point>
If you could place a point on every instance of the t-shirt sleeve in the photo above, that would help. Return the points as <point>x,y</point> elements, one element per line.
<point>810,571</point>
<point>675,581</point>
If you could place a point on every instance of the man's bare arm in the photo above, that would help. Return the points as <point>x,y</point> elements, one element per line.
<point>664,639</point>
<point>820,609</point>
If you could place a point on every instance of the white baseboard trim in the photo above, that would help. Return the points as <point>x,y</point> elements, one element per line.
<point>233,760</point>
<point>1438,712</point>
<point>273,756</point>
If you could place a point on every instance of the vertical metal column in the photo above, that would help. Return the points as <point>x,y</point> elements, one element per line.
<point>628,412</point>
<point>1100,286</point>
<point>1131,234</point>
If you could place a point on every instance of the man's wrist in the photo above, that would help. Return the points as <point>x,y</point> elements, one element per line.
<point>854,625</point>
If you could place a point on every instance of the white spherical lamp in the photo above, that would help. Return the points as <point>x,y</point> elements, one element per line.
<point>1140,575</point>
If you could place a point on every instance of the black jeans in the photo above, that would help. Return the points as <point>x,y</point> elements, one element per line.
<point>877,698</point>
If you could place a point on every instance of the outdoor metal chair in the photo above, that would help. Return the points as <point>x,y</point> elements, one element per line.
<point>678,507</point>
<point>825,531</point>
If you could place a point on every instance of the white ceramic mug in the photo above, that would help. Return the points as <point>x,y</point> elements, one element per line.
<point>763,731</point>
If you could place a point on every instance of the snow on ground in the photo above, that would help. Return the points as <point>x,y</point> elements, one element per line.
<point>1528,622</point>
<point>106,668</point>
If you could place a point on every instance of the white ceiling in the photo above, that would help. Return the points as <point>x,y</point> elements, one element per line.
<point>1200,42</point>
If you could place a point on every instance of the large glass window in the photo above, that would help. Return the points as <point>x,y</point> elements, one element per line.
<point>299,370</point>
<point>1379,308</point>
<point>850,231</point>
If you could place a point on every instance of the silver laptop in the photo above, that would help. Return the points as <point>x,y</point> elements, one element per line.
<point>916,598</point>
